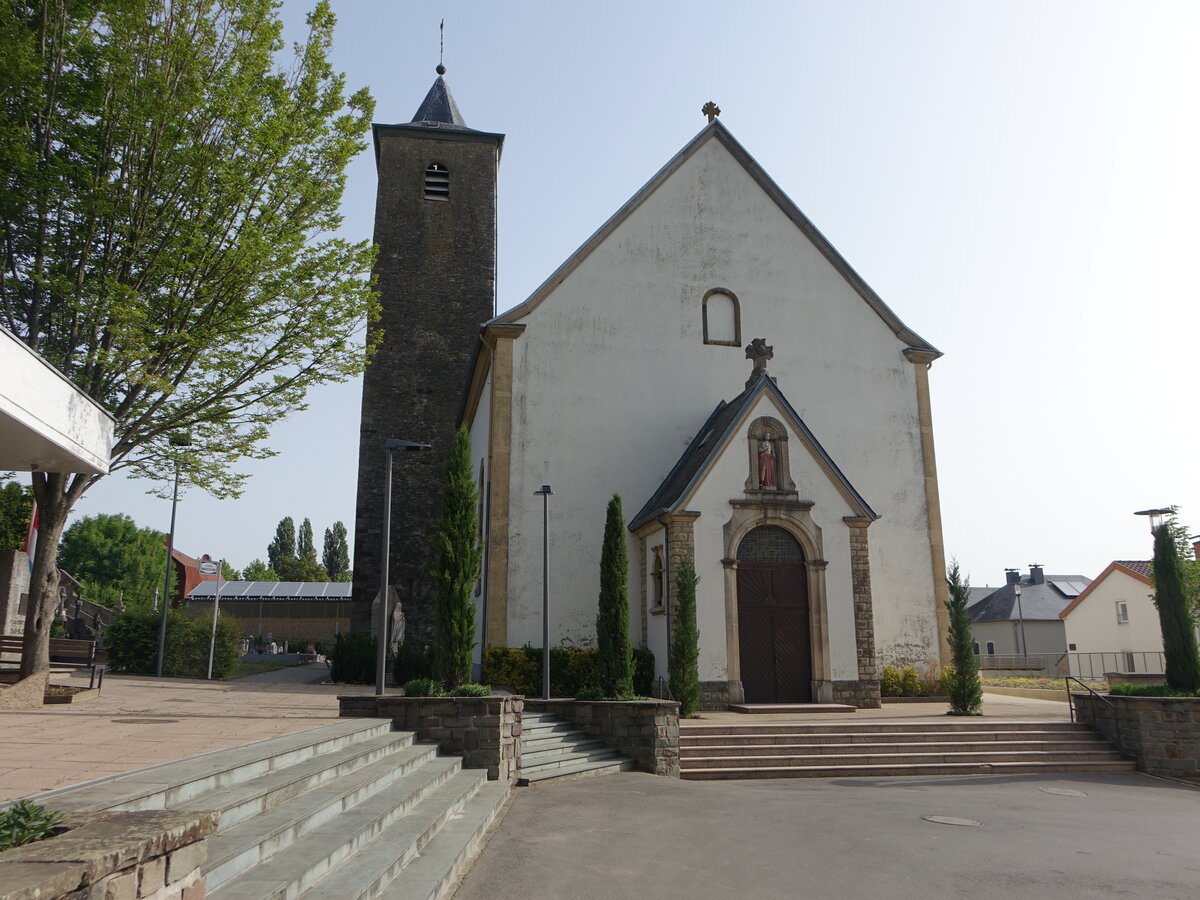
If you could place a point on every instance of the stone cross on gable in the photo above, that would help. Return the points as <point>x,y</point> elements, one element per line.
<point>711,110</point>
<point>760,352</point>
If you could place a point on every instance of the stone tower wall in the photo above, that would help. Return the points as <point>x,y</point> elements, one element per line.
<point>436,276</point>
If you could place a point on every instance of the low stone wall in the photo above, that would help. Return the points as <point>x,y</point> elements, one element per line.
<point>714,695</point>
<point>1161,733</point>
<point>148,855</point>
<point>647,730</point>
<point>484,731</point>
<point>865,694</point>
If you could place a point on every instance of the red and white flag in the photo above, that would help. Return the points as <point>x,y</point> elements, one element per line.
<point>31,536</point>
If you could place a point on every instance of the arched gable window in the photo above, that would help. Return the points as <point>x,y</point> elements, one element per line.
<point>437,182</point>
<point>722,318</point>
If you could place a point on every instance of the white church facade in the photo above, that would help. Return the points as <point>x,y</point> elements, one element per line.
<point>706,355</point>
<point>806,495</point>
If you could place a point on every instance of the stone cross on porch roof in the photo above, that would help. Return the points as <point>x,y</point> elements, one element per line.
<point>760,352</point>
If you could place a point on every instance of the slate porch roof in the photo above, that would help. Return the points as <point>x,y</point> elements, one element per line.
<point>716,433</point>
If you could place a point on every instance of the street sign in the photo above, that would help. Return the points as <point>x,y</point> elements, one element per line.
<point>209,567</point>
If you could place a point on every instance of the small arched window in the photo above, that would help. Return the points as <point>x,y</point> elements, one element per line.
<point>437,182</point>
<point>722,318</point>
<point>656,579</point>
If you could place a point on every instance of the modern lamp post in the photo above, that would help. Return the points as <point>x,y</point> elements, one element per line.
<point>389,446</point>
<point>546,493</point>
<point>1156,517</point>
<point>175,440</point>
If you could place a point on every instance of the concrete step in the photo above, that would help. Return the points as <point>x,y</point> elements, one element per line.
<point>840,749</point>
<point>239,802</point>
<point>435,872</point>
<point>586,768</point>
<point>244,846</point>
<point>537,757</point>
<point>799,708</point>
<point>545,729</point>
<point>690,763</point>
<point>569,759</point>
<point>168,785</point>
<point>688,739</point>
<point>365,846</point>
<point>875,727</point>
<point>880,771</point>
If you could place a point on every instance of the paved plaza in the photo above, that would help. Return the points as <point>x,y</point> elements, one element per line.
<point>140,721</point>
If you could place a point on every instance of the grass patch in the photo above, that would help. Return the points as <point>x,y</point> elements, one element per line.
<point>243,667</point>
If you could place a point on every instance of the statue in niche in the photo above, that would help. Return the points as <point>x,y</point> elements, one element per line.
<point>766,462</point>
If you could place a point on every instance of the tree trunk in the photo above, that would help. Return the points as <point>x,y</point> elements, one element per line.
<point>49,491</point>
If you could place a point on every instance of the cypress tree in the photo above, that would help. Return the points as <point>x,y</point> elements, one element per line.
<point>304,540</point>
<point>612,622</point>
<point>963,685</point>
<point>283,547</point>
<point>684,669</point>
<point>1178,627</point>
<point>457,555</point>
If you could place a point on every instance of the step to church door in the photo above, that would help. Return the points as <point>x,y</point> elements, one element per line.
<point>348,810</point>
<point>874,749</point>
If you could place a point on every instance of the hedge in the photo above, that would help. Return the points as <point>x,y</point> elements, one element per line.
<point>571,670</point>
<point>132,644</point>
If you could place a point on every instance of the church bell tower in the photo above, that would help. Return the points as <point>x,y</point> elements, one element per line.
<point>435,229</point>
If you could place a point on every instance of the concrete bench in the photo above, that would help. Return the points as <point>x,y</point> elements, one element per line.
<point>65,653</point>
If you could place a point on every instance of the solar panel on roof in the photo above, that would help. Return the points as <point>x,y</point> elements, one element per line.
<point>1067,588</point>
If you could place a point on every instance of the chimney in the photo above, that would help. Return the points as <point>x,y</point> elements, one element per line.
<point>1012,576</point>
<point>1035,574</point>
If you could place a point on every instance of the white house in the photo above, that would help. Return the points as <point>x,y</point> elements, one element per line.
<point>1116,616</point>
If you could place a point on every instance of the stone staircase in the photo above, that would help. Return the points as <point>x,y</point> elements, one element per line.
<point>349,810</point>
<point>874,749</point>
<point>556,748</point>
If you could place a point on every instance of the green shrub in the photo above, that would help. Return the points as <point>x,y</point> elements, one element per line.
<point>1124,689</point>
<point>412,662</point>
<point>473,690</point>
<point>907,681</point>
<point>423,687</point>
<point>910,682</point>
<point>353,659</point>
<point>963,687</point>
<point>891,683</point>
<point>571,669</point>
<point>612,621</point>
<point>132,643</point>
<point>685,643</point>
<point>25,822</point>
<point>589,693</point>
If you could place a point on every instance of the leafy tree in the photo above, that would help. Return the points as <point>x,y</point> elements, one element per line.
<point>16,507</point>
<point>612,621</point>
<point>1185,553</point>
<point>457,555</point>
<point>306,568</point>
<point>1174,614</point>
<point>228,572</point>
<point>684,664</point>
<point>259,571</point>
<point>283,545</point>
<point>114,560</point>
<point>962,683</point>
<point>337,553</point>
<point>304,542</point>
<point>167,196</point>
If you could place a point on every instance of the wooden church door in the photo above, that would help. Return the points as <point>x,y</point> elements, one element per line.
<point>773,626</point>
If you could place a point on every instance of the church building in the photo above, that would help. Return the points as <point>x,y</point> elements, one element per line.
<point>708,356</point>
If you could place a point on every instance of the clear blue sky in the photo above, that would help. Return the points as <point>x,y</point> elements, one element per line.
<point>1018,180</point>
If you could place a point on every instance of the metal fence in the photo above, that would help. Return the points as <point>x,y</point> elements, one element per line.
<point>1081,665</point>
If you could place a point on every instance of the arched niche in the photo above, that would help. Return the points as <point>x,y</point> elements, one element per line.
<point>722,318</point>
<point>767,449</point>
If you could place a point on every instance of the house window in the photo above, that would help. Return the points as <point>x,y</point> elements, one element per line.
<point>656,579</point>
<point>722,318</point>
<point>1071,647</point>
<point>1122,613</point>
<point>991,648</point>
<point>977,648</point>
<point>437,182</point>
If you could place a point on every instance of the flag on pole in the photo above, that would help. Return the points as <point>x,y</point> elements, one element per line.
<point>31,536</point>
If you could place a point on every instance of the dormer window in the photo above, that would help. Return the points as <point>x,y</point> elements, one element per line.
<point>437,182</point>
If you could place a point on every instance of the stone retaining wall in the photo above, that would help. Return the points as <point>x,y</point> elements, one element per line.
<point>714,695</point>
<point>147,855</point>
<point>484,731</point>
<point>1161,733</point>
<point>647,730</point>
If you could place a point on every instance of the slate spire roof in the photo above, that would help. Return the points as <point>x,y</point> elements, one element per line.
<point>438,109</point>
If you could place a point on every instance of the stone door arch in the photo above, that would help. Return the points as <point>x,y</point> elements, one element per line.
<point>774,634</point>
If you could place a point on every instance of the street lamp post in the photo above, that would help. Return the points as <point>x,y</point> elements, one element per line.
<point>389,446</point>
<point>175,440</point>
<point>545,493</point>
<point>1156,517</point>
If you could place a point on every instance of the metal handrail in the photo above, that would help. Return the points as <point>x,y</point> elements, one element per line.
<point>1067,679</point>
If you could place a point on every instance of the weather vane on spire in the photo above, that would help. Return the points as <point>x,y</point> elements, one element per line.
<point>441,69</point>
<point>711,110</point>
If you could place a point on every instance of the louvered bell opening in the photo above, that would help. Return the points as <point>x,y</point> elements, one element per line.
<point>437,182</point>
